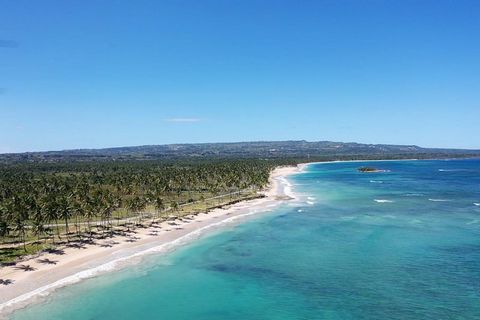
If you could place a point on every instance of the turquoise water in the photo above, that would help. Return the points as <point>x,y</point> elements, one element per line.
<point>414,253</point>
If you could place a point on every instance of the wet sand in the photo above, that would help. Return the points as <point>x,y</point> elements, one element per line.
<point>72,264</point>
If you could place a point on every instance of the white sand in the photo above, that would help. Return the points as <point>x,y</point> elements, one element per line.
<point>80,263</point>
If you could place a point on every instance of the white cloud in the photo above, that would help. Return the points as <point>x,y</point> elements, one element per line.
<point>183,119</point>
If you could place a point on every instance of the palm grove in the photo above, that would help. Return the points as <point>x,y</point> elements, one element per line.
<point>42,203</point>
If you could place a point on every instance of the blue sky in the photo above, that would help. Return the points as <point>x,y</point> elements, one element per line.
<point>90,74</point>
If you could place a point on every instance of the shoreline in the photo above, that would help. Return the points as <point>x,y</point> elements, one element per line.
<point>76,264</point>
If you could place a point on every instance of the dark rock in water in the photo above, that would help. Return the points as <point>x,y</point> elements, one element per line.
<point>368,169</point>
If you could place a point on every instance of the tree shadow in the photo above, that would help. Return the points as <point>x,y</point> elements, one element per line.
<point>6,282</point>
<point>8,264</point>
<point>87,241</point>
<point>76,245</point>
<point>58,252</point>
<point>119,233</point>
<point>132,239</point>
<point>24,267</point>
<point>47,261</point>
<point>108,244</point>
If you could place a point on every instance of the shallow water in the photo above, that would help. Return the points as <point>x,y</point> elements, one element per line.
<point>403,244</point>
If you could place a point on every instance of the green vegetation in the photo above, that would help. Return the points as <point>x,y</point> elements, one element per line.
<point>42,204</point>
<point>321,150</point>
<point>47,198</point>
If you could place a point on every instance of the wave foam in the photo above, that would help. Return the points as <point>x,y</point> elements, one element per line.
<point>438,200</point>
<point>115,264</point>
<point>383,200</point>
<point>477,204</point>
<point>287,187</point>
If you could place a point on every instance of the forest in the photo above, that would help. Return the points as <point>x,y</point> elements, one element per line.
<point>46,201</point>
<point>45,204</point>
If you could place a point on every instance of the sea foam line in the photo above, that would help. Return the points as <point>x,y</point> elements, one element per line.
<point>287,187</point>
<point>162,248</point>
<point>383,200</point>
<point>111,265</point>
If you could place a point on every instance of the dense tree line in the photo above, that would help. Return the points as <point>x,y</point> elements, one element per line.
<point>38,198</point>
<point>57,200</point>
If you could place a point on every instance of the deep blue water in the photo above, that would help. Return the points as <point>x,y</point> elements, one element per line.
<point>401,244</point>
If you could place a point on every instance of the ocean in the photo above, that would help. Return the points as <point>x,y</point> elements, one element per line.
<point>403,243</point>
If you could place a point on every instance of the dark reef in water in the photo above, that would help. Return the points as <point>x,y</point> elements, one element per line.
<point>369,169</point>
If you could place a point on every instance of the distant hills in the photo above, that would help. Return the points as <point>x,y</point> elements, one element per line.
<point>320,150</point>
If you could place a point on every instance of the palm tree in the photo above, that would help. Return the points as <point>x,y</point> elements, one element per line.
<point>50,213</point>
<point>36,196</point>
<point>174,206</point>
<point>4,221</point>
<point>20,228</point>
<point>90,208</point>
<point>159,205</point>
<point>108,205</point>
<point>64,209</point>
<point>38,228</point>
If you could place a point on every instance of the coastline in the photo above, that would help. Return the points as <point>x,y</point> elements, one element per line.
<point>76,264</point>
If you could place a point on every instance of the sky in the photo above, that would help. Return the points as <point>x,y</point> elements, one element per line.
<point>99,73</point>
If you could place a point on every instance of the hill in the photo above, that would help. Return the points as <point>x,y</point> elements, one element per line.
<point>321,150</point>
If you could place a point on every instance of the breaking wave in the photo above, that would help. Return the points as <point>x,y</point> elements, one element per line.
<point>383,200</point>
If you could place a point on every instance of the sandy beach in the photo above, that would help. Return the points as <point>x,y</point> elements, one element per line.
<point>72,264</point>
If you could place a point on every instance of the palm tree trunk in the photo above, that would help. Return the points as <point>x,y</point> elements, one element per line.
<point>58,229</point>
<point>23,239</point>
<point>67,229</point>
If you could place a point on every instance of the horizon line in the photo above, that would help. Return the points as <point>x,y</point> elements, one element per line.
<point>233,142</point>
